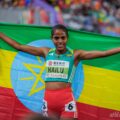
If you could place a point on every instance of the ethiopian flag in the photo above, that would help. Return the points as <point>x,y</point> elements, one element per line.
<point>96,85</point>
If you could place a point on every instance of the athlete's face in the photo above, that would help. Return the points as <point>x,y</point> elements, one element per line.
<point>60,39</point>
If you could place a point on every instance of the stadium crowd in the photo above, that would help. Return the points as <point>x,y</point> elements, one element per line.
<point>99,16</point>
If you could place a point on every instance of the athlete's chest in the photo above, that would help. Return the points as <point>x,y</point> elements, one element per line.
<point>54,60</point>
<point>58,66</point>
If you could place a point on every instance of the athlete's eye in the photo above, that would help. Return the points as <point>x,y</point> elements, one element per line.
<point>63,37</point>
<point>58,37</point>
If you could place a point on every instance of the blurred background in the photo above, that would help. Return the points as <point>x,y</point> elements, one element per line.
<point>98,16</point>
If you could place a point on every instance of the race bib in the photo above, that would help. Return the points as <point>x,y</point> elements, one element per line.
<point>70,107</point>
<point>57,69</point>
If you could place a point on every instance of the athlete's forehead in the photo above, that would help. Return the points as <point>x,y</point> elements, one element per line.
<point>59,32</point>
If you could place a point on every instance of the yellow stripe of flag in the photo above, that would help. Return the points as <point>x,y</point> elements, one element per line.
<point>6,59</point>
<point>101,87</point>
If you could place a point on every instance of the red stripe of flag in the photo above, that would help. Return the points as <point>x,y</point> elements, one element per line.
<point>12,109</point>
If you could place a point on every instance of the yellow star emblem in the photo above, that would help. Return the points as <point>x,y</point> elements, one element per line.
<point>37,75</point>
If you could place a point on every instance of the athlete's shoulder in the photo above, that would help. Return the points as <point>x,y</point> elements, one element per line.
<point>78,53</point>
<point>51,50</point>
<point>44,50</point>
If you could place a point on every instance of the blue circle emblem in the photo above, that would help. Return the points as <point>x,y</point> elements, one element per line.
<point>28,74</point>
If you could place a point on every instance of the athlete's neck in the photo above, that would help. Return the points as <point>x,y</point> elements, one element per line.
<point>61,51</point>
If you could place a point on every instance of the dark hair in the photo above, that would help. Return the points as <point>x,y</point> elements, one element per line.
<point>59,26</point>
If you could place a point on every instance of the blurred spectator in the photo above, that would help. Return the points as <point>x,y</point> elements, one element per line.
<point>27,16</point>
<point>94,16</point>
<point>21,3</point>
<point>100,16</point>
<point>44,18</point>
<point>7,3</point>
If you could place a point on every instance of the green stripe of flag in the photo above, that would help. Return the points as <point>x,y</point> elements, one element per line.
<point>77,40</point>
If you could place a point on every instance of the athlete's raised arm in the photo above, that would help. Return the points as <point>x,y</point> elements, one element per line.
<point>25,48</point>
<point>84,55</point>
